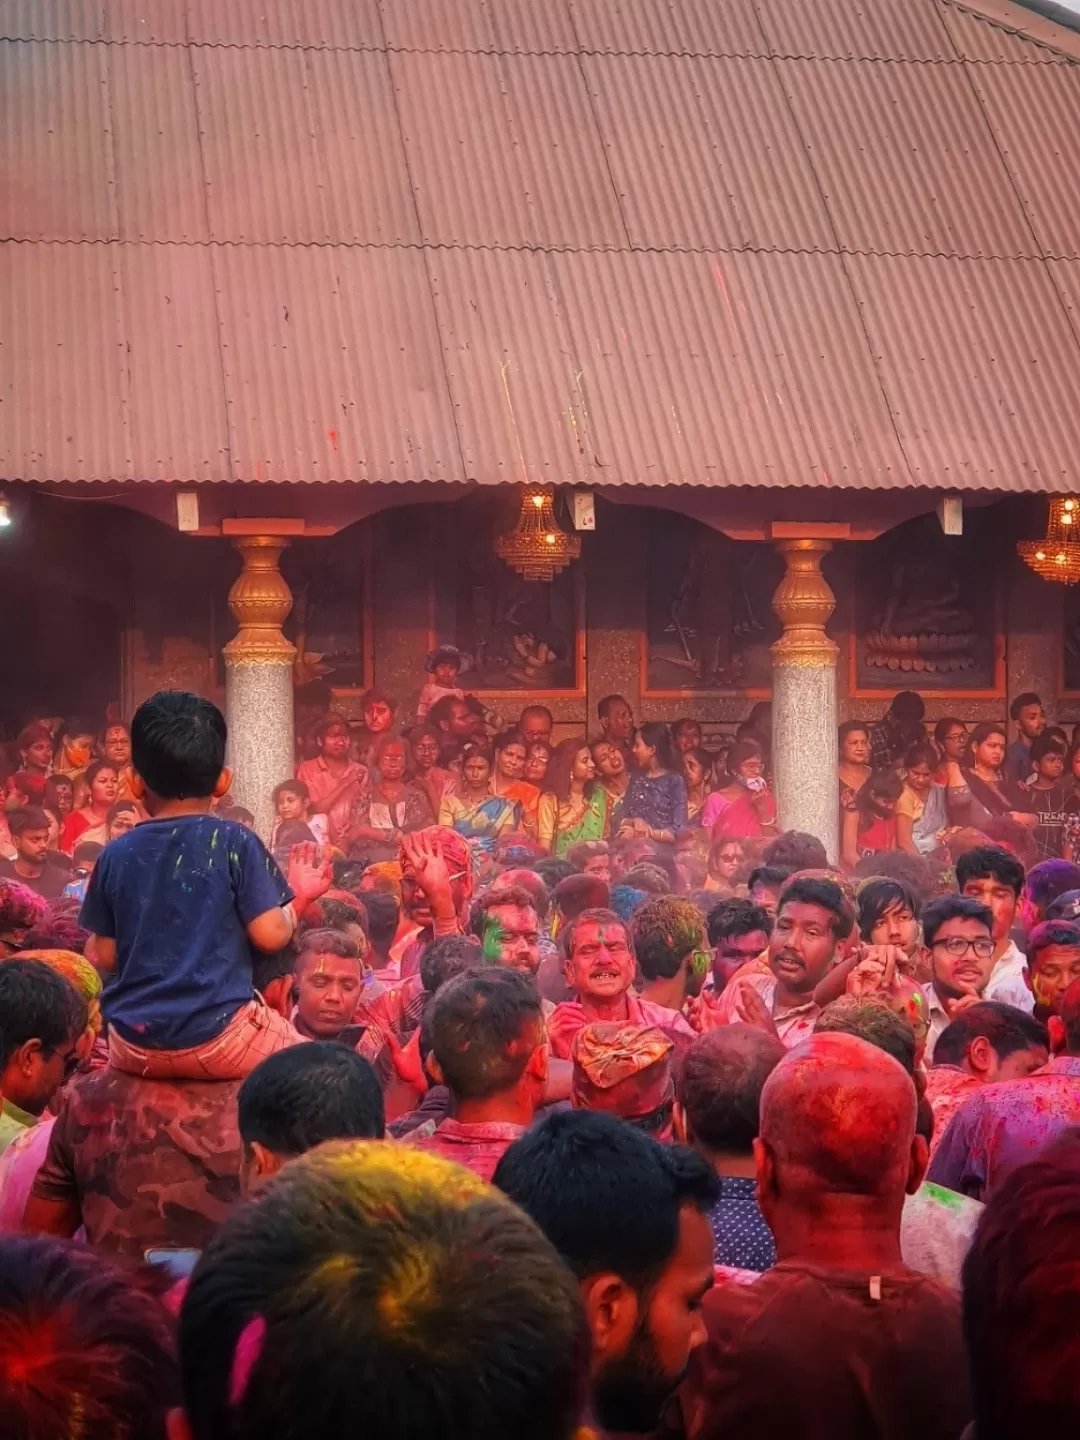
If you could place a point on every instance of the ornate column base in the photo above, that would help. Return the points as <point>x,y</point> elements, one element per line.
<point>259,680</point>
<point>804,697</point>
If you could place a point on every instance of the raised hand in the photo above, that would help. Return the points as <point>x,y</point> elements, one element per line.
<point>752,1010</point>
<point>310,872</point>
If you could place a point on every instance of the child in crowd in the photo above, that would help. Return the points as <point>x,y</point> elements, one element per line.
<point>176,905</point>
<point>84,859</point>
<point>292,801</point>
<point>443,666</point>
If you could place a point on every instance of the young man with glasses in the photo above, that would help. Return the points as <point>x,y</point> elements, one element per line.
<point>958,935</point>
<point>42,1020</point>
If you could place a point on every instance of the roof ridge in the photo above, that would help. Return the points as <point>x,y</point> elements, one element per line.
<point>1017,19</point>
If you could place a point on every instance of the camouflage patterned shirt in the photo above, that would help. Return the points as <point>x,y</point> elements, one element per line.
<point>148,1163</point>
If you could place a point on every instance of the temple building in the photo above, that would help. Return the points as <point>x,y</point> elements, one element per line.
<point>770,309</point>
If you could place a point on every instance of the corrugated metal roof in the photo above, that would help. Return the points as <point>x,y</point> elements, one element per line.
<point>64,406</point>
<point>690,172</point>
<point>504,150</point>
<point>602,241</point>
<point>905,159</point>
<point>688,361</point>
<point>975,38</point>
<point>56,155</point>
<point>361,325</point>
<point>855,29</point>
<point>536,27</point>
<point>1034,114</point>
<point>978,360</point>
<point>669,27</point>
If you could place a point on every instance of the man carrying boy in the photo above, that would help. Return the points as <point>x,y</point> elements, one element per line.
<point>176,905</point>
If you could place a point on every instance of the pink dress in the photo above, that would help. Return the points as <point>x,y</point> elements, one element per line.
<point>19,1164</point>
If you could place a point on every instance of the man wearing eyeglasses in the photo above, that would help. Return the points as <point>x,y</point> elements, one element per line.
<point>42,1020</point>
<point>958,935</point>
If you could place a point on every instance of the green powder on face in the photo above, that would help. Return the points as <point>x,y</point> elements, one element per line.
<point>493,940</point>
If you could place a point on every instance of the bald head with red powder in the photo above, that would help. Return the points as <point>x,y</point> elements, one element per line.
<point>838,1150</point>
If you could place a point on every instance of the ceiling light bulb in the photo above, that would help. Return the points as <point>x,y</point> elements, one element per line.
<point>5,515</point>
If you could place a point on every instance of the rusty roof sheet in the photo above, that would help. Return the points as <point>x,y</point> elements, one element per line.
<point>824,243</point>
<point>937,184</point>
<point>977,361</point>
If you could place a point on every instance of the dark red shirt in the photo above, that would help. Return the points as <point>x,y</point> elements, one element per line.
<point>823,1354</point>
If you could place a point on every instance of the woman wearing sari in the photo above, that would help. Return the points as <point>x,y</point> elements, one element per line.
<point>976,790</point>
<point>697,772</point>
<point>576,806</point>
<point>744,808</point>
<point>477,814</point>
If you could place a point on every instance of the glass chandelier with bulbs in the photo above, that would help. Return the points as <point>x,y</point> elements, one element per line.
<point>1058,556</point>
<point>536,547</point>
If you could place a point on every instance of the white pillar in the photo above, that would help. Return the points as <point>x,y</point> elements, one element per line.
<point>804,697</point>
<point>259,680</point>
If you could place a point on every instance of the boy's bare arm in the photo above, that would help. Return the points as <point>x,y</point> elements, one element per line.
<point>101,952</point>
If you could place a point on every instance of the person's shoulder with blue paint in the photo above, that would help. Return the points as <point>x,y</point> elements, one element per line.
<point>177,906</point>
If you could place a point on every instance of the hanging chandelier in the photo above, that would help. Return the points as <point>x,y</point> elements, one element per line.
<point>1058,556</point>
<point>536,548</point>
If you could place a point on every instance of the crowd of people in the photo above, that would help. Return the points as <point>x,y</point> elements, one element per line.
<point>543,1090</point>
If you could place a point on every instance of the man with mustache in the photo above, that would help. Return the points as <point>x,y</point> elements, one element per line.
<point>958,935</point>
<point>598,956</point>
<point>812,920</point>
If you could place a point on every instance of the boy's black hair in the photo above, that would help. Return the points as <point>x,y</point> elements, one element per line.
<point>806,890</point>
<point>476,1023</point>
<point>1007,1029</point>
<point>605,1194</point>
<point>301,1096</point>
<point>990,862</point>
<point>772,876</point>
<point>383,914</point>
<point>736,917</point>
<point>879,896</point>
<point>1046,744</point>
<point>447,956</point>
<point>1022,702</point>
<point>953,907</point>
<point>178,745</point>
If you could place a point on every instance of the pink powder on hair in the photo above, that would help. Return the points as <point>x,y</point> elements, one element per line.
<point>245,1357</point>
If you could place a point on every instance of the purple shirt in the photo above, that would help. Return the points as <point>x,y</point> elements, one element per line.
<point>1006,1125</point>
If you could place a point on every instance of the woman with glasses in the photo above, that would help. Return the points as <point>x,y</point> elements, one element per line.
<point>950,742</point>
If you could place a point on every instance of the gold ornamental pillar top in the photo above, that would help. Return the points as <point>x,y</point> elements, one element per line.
<point>803,603</point>
<point>260,600</point>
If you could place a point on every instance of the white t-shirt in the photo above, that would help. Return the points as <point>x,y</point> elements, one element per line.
<point>1007,984</point>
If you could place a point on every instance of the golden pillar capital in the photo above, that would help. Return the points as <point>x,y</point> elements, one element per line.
<point>803,603</point>
<point>260,600</point>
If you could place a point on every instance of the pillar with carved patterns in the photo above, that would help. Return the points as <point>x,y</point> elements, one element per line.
<point>259,679</point>
<point>804,696</point>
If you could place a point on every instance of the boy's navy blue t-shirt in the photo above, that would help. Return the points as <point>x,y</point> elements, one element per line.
<point>176,896</point>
